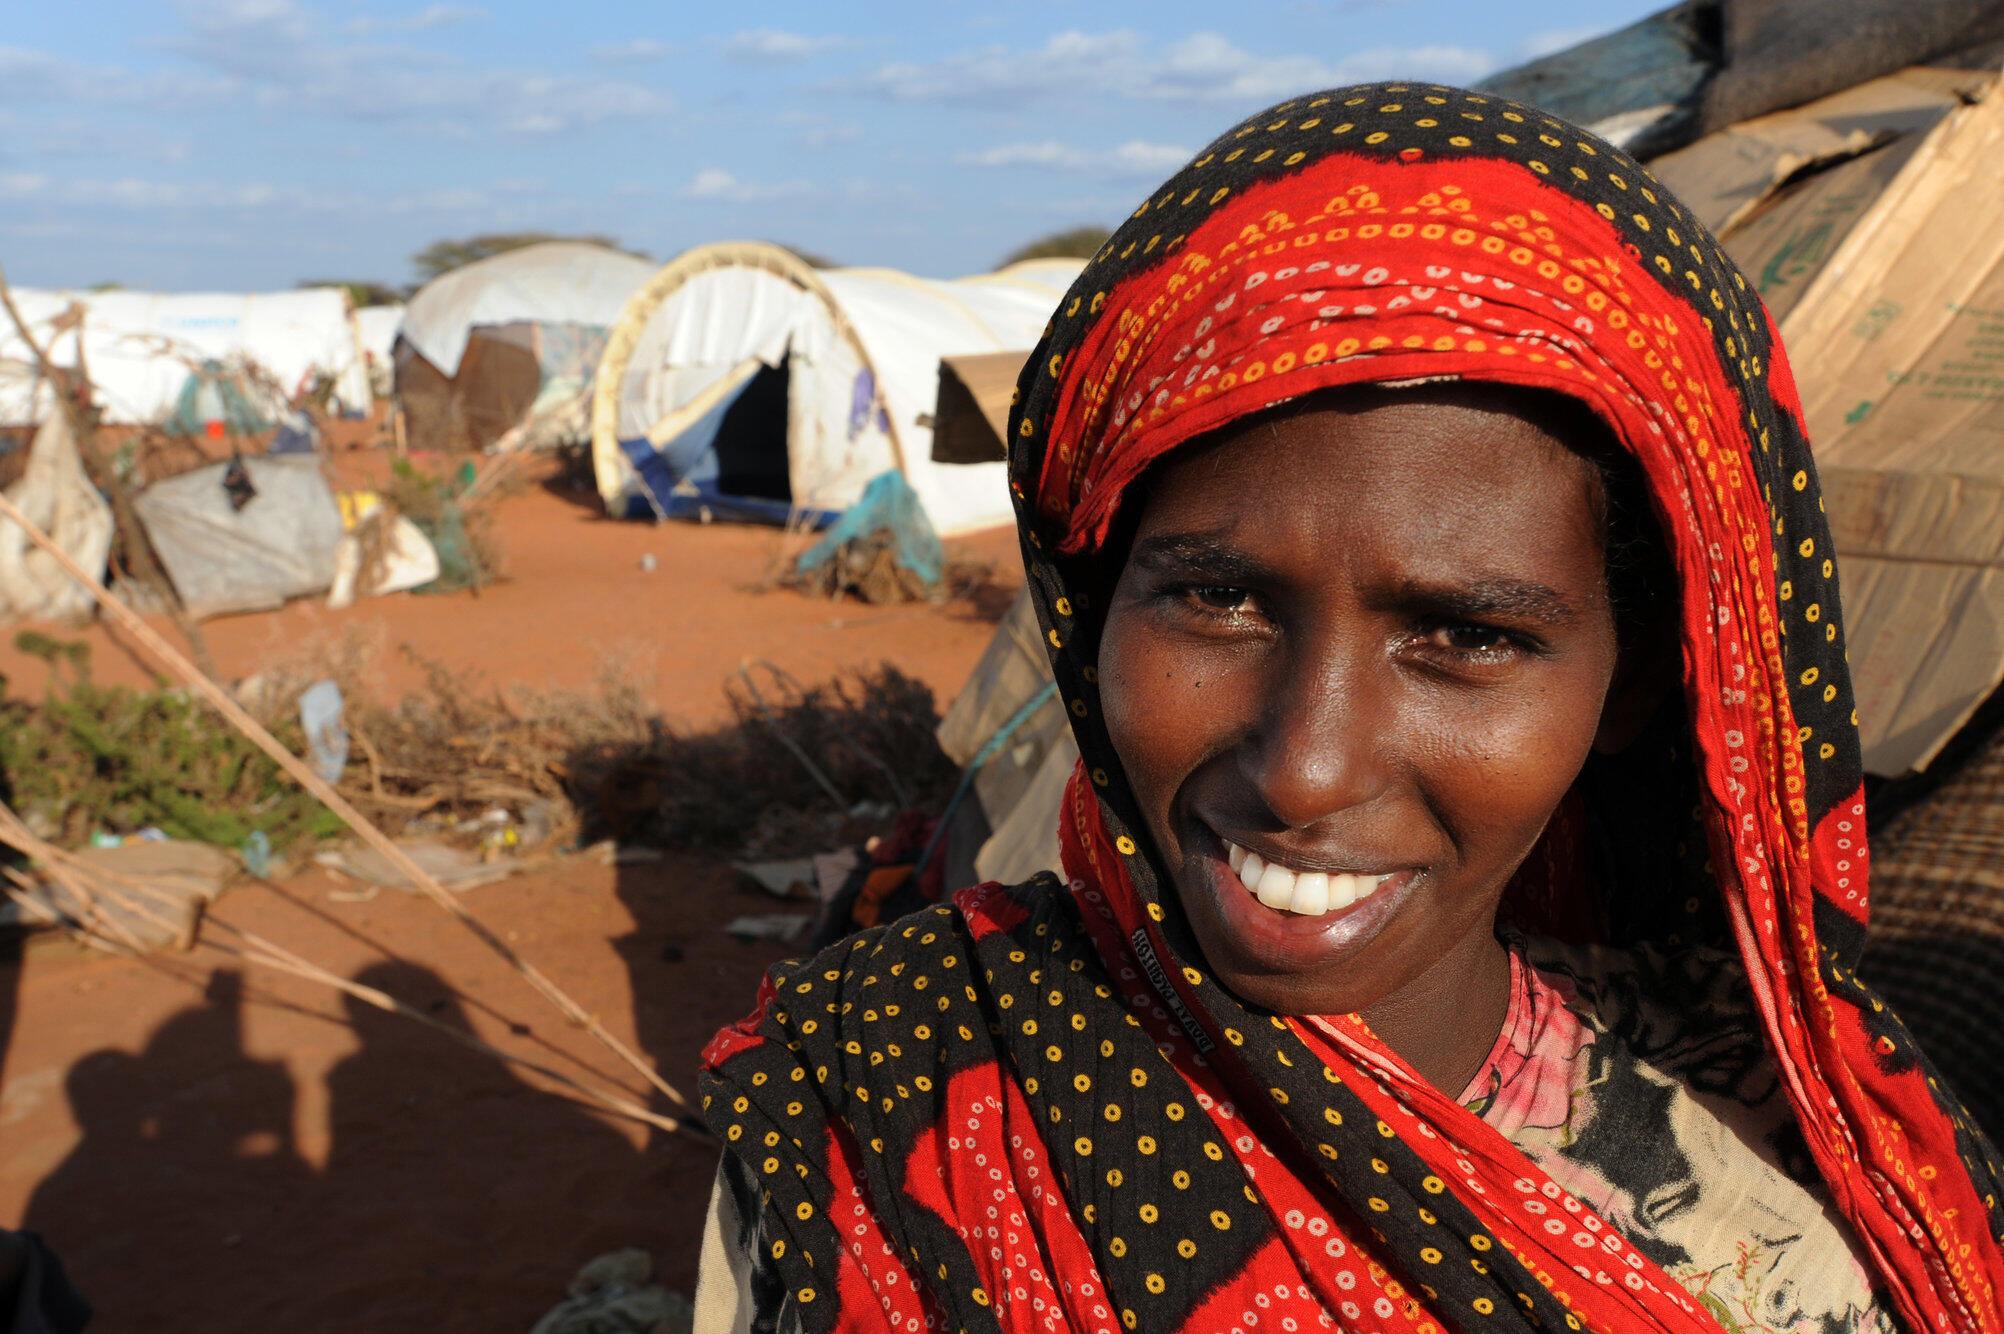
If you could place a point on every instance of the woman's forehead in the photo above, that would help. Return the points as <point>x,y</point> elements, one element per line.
<point>1440,450</point>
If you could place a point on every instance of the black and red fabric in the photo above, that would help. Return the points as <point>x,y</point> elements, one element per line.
<point>1032,1108</point>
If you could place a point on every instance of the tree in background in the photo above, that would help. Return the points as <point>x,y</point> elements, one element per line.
<point>1072,243</point>
<point>445,256</point>
<point>360,293</point>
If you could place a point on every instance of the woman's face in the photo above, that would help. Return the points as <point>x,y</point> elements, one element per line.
<point>1368,645</point>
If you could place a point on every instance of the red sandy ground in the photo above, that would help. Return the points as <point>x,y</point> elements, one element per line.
<point>213,1147</point>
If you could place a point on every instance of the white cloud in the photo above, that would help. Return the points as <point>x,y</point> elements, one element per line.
<point>1133,158</point>
<point>716,185</point>
<point>1202,67</point>
<point>280,53</point>
<point>1554,40</point>
<point>638,51</point>
<point>814,131</point>
<point>203,199</point>
<point>428,19</point>
<point>770,46</point>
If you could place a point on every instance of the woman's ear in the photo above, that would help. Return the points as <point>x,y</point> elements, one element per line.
<point>1648,667</point>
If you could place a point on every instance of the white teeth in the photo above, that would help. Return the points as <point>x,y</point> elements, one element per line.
<point>1305,893</point>
<point>1275,887</point>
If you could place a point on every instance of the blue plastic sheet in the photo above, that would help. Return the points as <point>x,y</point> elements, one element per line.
<point>888,505</point>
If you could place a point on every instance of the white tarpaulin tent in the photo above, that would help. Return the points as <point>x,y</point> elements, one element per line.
<point>140,347</point>
<point>500,353</point>
<point>739,374</point>
<point>552,282</point>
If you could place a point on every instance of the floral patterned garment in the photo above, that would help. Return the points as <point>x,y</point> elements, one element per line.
<point>1639,1083</point>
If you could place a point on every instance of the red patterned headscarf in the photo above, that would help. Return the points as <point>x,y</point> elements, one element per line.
<point>1035,1110</point>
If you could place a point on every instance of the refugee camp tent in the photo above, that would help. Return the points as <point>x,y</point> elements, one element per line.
<point>376,329</point>
<point>489,346</point>
<point>142,348</point>
<point>230,552</point>
<point>742,380</point>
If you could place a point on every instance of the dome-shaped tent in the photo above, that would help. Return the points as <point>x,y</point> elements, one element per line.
<point>483,347</point>
<point>743,378</point>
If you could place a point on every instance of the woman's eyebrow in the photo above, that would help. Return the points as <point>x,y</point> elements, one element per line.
<point>1203,555</point>
<point>1515,599</point>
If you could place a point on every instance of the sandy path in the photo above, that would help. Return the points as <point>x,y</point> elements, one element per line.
<point>576,592</point>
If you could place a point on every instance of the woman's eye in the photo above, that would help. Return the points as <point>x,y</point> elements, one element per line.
<point>1218,597</point>
<point>1470,639</point>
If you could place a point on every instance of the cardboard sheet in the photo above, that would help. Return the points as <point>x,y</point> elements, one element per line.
<point>1898,347</point>
<point>1723,176</point>
<point>970,422</point>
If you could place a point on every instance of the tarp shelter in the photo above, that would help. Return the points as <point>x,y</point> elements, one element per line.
<point>221,558</point>
<point>970,420</point>
<point>57,496</point>
<point>1700,66</point>
<point>376,329</point>
<point>741,379</point>
<point>141,347</point>
<point>1864,218</point>
<point>1866,214</point>
<point>489,345</point>
<point>1007,827</point>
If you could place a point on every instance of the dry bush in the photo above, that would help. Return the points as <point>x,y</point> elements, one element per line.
<point>748,787</point>
<point>601,763</point>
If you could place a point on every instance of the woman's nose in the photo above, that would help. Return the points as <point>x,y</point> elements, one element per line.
<point>1318,746</point>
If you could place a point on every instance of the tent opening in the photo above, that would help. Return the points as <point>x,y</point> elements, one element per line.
<point>751,438</point>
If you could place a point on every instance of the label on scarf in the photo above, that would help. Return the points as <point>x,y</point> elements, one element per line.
<point>1159,979</point>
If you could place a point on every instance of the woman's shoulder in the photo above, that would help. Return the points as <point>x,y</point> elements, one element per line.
<point>829,996</point>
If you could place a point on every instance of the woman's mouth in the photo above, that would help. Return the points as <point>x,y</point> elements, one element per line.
<point>1304,893</point>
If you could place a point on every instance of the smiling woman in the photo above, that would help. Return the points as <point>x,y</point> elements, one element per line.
<point>1464,874</point>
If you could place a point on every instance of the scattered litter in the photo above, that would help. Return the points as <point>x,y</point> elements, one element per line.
<point>257,854</point>
<point>326,740</point>
<point>615,1294</point>
<point>780,926</point>
<point>831,870</point>
<point>793,878</point>
<point>454,868</point>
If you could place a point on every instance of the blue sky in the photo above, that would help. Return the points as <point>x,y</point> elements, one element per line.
<point>236,144</point>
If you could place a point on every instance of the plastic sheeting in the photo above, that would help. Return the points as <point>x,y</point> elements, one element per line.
<point>57,496</point>
<point>897,326</point>
<point>555,282</point>
<point>280,545</point>
<point>888,506</point>
<point>140,346</point>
